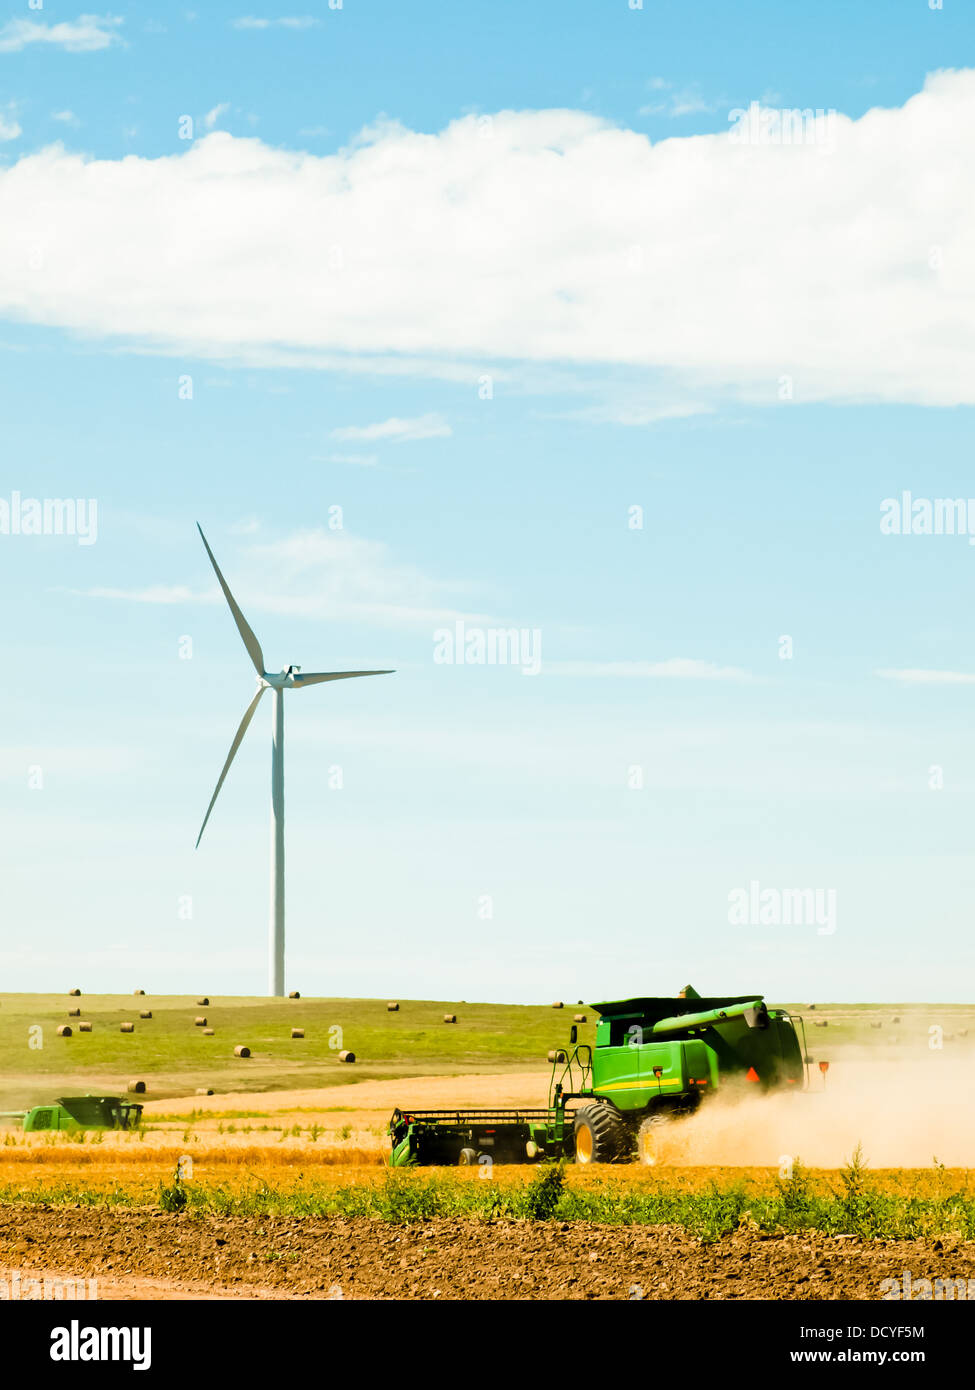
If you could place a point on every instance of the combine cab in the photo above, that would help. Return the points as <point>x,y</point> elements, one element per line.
<point>658,1059</point>
<point>80,1112</point>
<point>654,1061</point>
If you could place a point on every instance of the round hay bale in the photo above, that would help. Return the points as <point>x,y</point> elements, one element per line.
<point>126,1027</point>
<point>84,1027</point>
<point>204,1090</point>
<point>450,1018</point>
<point>579,1018</point>
<point>74,1013</point>
<point>138,1088</point>
<point>199,1022</point>
<point>207,1033</point>
<point>294,994</point>
<point>74,993</point>
<point>558,1004</point>
<point>556,1055</point>
<point>392,1008</point>
<point>241,1051</point>
<point>346,1056</point>
<point>203,1003</point>
<point>297,1032</point>
<point>145,1013</point>
<point>64,1031</point>
<point>138,991</point>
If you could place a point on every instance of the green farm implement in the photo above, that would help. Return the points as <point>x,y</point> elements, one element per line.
<point>78,1112</point>
<point>466,1136</point>
<point>655,1060</point>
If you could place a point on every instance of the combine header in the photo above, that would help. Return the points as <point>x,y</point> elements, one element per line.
<point>78,1112</point>
<point>654,1061</point>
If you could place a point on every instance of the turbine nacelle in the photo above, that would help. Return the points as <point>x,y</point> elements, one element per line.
<point>279,680</point>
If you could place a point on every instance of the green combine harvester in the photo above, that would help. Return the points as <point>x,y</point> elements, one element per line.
<point>655,1061</point>
<point>77,1112</point>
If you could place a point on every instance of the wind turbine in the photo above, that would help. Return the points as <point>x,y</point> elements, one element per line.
<point>279,682</point>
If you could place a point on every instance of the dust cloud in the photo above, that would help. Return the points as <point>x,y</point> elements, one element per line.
<point>904,1114</point>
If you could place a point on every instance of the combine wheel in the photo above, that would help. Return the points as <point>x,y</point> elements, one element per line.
<point>600,1135</point>
<point>649,1139</point>
<point>467,1158</point>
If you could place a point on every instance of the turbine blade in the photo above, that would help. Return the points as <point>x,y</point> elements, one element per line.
<point>238,737</point>
<point>243,627</point>
<point>316,677</point>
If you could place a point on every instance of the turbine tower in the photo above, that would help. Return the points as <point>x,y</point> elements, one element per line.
<point>279,682</point>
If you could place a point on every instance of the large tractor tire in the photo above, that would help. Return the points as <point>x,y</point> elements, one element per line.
<point>651,1138</point>
<point>601,1135</point>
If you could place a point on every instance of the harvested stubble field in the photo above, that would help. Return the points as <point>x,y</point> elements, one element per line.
<point>289,1196</point>
<point>937,1200</point>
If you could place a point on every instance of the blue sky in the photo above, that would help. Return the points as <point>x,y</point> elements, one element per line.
<point>486,278</point>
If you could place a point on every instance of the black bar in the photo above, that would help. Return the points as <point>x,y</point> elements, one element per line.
<point>247,1336</point>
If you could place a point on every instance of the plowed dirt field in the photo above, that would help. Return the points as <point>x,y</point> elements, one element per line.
<point>148,1254</point>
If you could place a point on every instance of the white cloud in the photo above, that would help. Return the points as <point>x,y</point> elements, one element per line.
<point>212,116</point>
<point>9,125</point>
<point>285,22</point>
<point>432,426</point>
<point>318,574</point>
<point>679,101</point>
<point>332,574</point>
<point>86,34</point>
<point>914,676</point>
<point>674,668</point>
<point>560,239</point>
<point>66,117</point>
<point>614,412</point>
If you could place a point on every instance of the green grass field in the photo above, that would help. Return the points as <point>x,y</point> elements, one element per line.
<point>174,1058</point>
